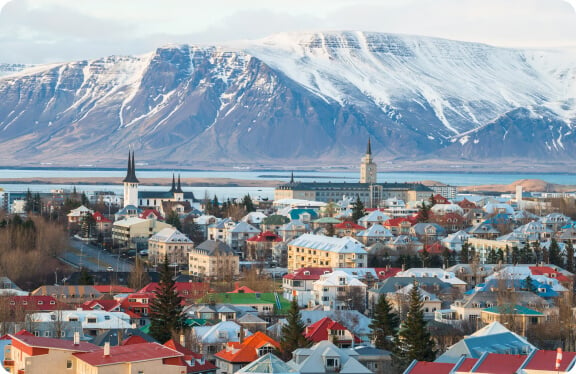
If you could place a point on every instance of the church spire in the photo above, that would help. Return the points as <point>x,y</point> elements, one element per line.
<point>131,172</point>
<point>179,187</point>
<point>173,189</point>
<point>369,148</point>
<point>292,177</point>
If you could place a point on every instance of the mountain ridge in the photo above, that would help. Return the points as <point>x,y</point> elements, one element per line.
<point>298,98</point>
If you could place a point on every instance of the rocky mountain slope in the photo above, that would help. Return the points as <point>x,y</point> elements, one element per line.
<point>295,99</point>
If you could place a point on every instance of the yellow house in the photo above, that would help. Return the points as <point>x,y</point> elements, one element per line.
<point>310,250</point>
<point>169,242</point>
<point>32,354</point>
<point>133,358</point>
<point>213,258</point>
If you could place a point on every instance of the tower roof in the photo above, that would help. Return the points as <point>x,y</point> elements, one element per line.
<point>369,148</point>
<point>179,186</point>
<point>131,172</point>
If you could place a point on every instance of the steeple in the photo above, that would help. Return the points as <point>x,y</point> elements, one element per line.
<point>131,172</point>
<point>179,187</point>
<point>173,189</point>
<point>369,148</point>
<point>292,177</point>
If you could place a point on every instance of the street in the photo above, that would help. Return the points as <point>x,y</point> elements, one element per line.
<point>94,258</point>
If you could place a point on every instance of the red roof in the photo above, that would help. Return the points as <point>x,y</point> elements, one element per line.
<point>467,364</point>
<point>128,353</point>
<point>50,343</point>
<point>187,290</point>
<point>347,225</point>
<point>242,289</point>
<point>247,351</point>
<point>134,339</point>
<point>467,204</point>
<point>319,330</point>
<point>439,199</point>
<point>307,273</point>
<point>199,365</point>
<point>36,302</point>
<point>172,344</point>
<point>424,367</point>
<point>394,222</point>
<point>385,273</point>
<point>266,236</point>
<point>99,218</point>
<point>151,212</point>
<point>546,361</point>
<point>549,272</point>
<point>434,249</point>
<point>112,289</point>
<point>107,305</point>
<point>496,363</point>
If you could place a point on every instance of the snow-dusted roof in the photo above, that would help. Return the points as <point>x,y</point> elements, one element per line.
<point>333,279</point>
<point>170,235</point>
<point>375,231</point>
<point>331,244</point>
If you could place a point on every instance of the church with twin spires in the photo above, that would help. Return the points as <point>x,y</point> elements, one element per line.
<point>371,192</point>
<point>136,201</point>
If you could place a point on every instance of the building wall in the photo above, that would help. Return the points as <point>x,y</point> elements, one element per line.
<point>177,252</point>
<point>299,257</point>
<point>202,264</point>
<point>52,362</point>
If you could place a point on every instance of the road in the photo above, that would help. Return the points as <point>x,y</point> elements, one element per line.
<point>94,258</point>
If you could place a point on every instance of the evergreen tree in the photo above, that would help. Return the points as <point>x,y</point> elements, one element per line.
<point>413,341</point>
<point>554,253</point>
<point>424,212</point>
<point>447,257</point>
<point>293,332</point>
<point>173,219</point>
<point>530,286</point>
<point>28,202</point>
<point>88,225</point>
<point>357,209</point>
<point>537,252</point>
<point>570,257</point>
<point>166,309</point>
<point>85,277</point>
<point>515,255</point>
<point>524,253</point>
<point>425,258</point>
<point>248,204</point>
<point>492,257</point>
<point>384,324</point>
<point>500,255</point>
<point>464,253</point>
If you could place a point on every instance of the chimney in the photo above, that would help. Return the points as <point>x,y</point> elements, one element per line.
<point>107,349</point>
<point>182,340</point>
<point>77,338</point>
<point>242,334</point>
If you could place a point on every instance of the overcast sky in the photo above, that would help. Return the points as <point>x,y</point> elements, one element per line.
<point>39,31</point>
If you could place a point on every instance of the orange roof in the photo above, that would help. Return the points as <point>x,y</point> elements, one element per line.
<point>247,351</point>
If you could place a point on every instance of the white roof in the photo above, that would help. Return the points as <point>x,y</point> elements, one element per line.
<point>333,279</point>
<point>298,203</point>
<point>221,332</point>
<point>104,320</point>
<point>170,235</point>
<point>377,231</point>
<point>445,276</point>
<point>129,221</point>
<point>330,244</point>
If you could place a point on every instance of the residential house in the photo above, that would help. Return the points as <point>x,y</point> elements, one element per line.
<point>33,354</point>
<point>267,364</point>
<point>300,282</point>
<point>259,247</point>
<point>213,259</point>
<point>517,317</point>
<point>375,217</point>
<point>375,233</point>
<point>208,340</point>
<point>132,358</point>
<point>311,250</point>
<point>236,355</point>
<point>339,291</point>
<point>72,295</point>
<point>171,244</point>
<point>93,322</point>
<point>325,357</point>
<point>78,214</point>
<point>133,233</point>
<point>327,329</point>
<point>348,228</point>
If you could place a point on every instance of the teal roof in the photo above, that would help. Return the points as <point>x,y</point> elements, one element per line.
<point>295,213</point>
<point>513,309</point>
<point>279,302</point>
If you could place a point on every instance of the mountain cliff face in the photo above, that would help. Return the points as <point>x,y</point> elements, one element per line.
<point>294,99</point>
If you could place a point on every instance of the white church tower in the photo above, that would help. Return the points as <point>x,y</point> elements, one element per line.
<point>368,167</point>
<point>131,183</point>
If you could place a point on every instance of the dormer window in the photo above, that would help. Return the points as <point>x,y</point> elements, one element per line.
<point>332,362</point>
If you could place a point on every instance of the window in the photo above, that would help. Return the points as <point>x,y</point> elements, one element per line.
<point>332,362</point>
<point>91,319</point>
<point>68,364</point>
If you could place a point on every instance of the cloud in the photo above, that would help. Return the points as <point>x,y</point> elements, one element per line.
<point>36,31</point>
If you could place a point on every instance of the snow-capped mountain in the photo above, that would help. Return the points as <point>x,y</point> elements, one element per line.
<point>295,98</point>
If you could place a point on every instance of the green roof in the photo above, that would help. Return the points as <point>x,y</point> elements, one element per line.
<point>327,220</point>
<point>249,298</point>
<point>275,219</point>
<point>513,309</point>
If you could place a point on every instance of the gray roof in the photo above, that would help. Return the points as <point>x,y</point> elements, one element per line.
<point>214,247</point>
<point>267,364</point>
<point>311,360</point>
